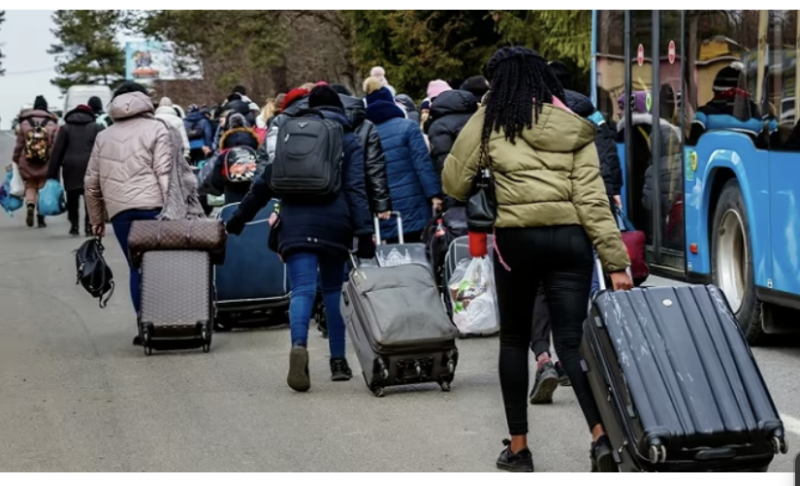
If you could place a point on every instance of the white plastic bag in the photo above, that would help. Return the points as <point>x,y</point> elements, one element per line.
<point>473,298</point>
<point>17,187</point>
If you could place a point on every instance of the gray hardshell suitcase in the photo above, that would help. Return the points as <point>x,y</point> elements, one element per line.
<point>676,384</point>
<point>398,326</point>
<point>177,306</point>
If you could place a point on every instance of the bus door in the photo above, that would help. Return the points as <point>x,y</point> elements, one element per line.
<point>655,164</point>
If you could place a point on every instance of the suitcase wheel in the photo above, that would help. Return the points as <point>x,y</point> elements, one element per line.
<point>146,344</point>
<point>780,445</point>
<point>658,454</point>
<point>445,386</point>
<point>384,369</point>
<point>206,336</point>
<point>378,391</point>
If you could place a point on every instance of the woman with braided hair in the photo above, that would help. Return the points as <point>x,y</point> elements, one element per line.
<point>551,207</point>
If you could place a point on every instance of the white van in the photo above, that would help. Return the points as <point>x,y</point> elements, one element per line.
<point>80,94</point>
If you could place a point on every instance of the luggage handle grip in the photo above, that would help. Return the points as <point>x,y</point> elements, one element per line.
<point>377,223</point>
<point>601,276</point>
<point>720,453</point>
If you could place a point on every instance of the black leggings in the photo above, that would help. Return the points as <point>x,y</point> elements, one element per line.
<point>560,258</point>
<point>73,205</point>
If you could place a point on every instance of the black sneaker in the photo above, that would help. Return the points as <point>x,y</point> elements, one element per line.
<point>545,384</point>
<point>298,379</point>
<point>522,461</point>
<point>29,215</point>
<point>340,371</point>
<point>73,230</point>
<point>137,340</point>
<point>603,456</point>
<point>40,222</point>
<point>563,379</point>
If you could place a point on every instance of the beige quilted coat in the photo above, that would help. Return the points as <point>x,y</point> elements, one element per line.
<point>131,161</point>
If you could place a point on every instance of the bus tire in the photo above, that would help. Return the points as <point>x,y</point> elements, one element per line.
<point>732,261</point>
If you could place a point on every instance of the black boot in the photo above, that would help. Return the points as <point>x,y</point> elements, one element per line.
<point>73,229</point>
<point>29,215</point>
<point>40,221</point>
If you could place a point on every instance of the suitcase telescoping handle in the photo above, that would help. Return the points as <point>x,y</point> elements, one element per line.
<point>377,223</point>
<point>601,276</point>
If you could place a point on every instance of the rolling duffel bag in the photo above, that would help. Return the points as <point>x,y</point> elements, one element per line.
<point>206,235</point>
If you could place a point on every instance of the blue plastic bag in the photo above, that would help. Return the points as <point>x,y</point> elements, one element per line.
<point>52,201</point>
<point>7,201</point>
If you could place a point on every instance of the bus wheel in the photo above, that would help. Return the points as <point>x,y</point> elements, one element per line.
<point>732,261</point>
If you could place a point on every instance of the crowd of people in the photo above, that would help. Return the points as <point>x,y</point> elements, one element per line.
<point>555,171</point>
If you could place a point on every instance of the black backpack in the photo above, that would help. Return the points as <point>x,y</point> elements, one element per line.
<point>93,272</point>
<point>308,157</point>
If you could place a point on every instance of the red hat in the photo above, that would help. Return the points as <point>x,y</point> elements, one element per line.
<point>293,96</point>
<point>85,108</point>
<point>321,83</point>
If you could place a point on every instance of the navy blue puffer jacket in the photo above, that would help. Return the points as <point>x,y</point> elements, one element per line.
<point>413,182</point>
<point>319,227</point>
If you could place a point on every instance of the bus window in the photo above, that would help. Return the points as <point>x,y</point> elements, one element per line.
<point>670,166</point>
<point>782,94</point>
<point>610,63</point>
<point>723,50</point>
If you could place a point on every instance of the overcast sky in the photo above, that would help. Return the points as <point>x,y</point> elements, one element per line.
<point>25,38</point>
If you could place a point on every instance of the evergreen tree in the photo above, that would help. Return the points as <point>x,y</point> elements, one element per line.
<point>416,46</point>
<point>565,35</point>
<point>88,51</point>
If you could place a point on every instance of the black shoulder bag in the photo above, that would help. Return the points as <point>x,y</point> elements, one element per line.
<point>94,273</point>
<point>482,203</point>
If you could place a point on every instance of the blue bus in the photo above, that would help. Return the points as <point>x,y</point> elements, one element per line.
<point>706,111</point>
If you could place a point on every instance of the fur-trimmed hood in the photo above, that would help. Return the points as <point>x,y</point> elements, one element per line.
<point>239,136</point>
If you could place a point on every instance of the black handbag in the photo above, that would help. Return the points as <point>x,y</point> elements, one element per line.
<point>482,203</point>
<point>94,273</point>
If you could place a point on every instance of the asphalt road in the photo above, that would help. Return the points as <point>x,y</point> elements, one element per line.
<point>77,396</point>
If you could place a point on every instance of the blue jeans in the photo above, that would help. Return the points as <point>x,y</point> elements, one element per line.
<point>303,279</point>
<point>122,228</point>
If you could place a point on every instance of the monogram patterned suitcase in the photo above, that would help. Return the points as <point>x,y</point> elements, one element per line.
<point>177,308</point>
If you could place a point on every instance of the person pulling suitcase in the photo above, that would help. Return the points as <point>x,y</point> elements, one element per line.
<point>318,173</point>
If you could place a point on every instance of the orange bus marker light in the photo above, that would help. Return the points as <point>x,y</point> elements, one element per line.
<point>693,248</point>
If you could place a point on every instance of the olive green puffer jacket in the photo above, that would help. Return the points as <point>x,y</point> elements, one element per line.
<point>550,176</point>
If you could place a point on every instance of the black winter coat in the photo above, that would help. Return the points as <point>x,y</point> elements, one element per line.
<point>605,141</point>
<point>450,111</point>
<point>375,161</point>
<point>318,227</point>
<point>73,148</point>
